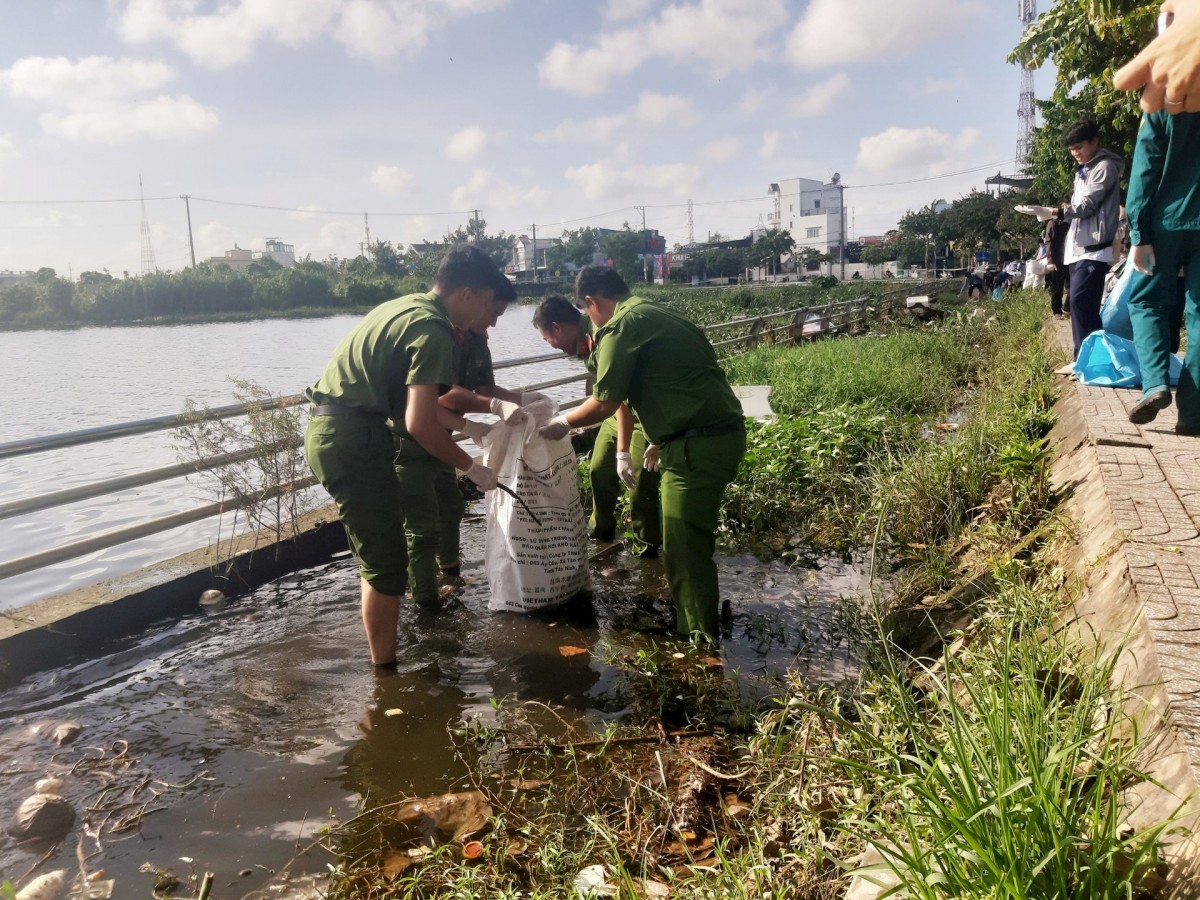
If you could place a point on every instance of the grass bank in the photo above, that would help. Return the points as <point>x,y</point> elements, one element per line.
<point>993,767</point>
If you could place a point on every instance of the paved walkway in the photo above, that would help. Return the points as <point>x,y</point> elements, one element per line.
<point>1152,478</point>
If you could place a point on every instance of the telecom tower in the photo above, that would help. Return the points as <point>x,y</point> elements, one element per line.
<point>691,234</point>
<point>148,264</point>
<point>1026,112</point>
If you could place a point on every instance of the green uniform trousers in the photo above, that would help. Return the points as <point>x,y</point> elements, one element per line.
<point>431,508</point>
<point>606,486</point>
<point>695,473</point>
<point>1153,311</point>
<point>352,456</point>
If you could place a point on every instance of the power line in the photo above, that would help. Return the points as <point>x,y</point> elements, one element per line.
<point>331,212</point>
<point>1002,162</point>
<point>64,202</point>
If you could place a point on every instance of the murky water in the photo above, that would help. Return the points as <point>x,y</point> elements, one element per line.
<point>267,720</point>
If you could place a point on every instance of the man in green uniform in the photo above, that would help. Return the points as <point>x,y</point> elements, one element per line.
<point>620,444</point>
<point>666,370</point>
<point>392,366</point>
<point>430,500</point>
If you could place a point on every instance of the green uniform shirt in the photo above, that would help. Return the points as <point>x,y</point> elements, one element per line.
<point>587,345</point>
<point>398,343</point>
<point>666,370</point>
<point>473,362</point>
<point>1164,192</point>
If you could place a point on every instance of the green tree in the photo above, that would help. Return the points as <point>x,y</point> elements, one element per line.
<point>873,255</point>
<point>1086,40</point>
<point>771,246</point>
<point>623,248</point>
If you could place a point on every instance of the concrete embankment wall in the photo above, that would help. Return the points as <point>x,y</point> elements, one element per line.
<point>52,632</point>
<point>1107,613</point>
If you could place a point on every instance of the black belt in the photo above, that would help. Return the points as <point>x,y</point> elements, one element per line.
<point>704,431</point>
<point>339,411</point>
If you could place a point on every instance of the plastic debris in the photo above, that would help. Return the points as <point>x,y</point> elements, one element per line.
<point>42,816</point>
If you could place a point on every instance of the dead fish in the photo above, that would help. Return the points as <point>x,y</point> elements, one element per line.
<point>212,598</point>
<point>42,816</point>
<point>44,887</point>
<point>66,733</point>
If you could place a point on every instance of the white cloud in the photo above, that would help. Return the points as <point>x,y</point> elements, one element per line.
<point>467,143</point>
<point>904,150</point>
<point>119,123</point>
<point>821,98</point>
<point>619,10</point>
<point>754,100</point>
<point>605,179</point>
<point>651,110</point>
<point>716,36</point>
<point>214,238</point>
<point>833,32</point>
<point>376,29</point>
<point>304,213</point>
<point>101,99</point>
<point>391,179</point>
<point>722,150</point>
<point>956,83</point>
<point>56,80</point>
<point>8,148</point>
<point>771,143</point>
<point>486,189</point>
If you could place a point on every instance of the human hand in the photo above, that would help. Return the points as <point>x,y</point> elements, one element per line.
<point>1141,258</point>
<point>476,431</point>
<point>650,459</point>
<point>1168,68</point>
<point>625,470</point>
<point>509,412</point>
<point>484,478</point>
<point>556,429</point>
<point>528,397</point>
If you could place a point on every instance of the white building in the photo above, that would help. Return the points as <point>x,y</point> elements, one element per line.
<point>239,259</point>
<point>811,211</point>
<point>526,257</point>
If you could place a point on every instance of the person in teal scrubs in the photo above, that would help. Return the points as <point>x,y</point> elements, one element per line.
<point>1163,206</point>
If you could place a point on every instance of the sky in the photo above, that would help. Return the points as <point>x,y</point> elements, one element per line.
<point>290,119</point>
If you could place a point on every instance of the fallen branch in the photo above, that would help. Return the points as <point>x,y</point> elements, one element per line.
<point>589,745</point>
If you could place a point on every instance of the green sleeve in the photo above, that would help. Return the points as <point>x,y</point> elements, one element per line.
<point>1144,177</point>
<point>615,359</point>
<point>430,355</point>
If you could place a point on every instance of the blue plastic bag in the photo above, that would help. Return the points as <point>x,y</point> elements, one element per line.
<point>1108,360</point>
<point>998,294</point>
<point>1114,311</point>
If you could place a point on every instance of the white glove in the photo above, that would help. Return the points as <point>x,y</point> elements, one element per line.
<point>556,429</point>
<point>625,470</point>
<point>528,397</point>
<point>476,431</point>
<point>650,460</point>
<point>484,478</point>
<point>508,411</point>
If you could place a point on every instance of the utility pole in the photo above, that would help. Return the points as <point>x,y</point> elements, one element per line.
<point>191,246</point>
<point>645,245</point>
<point>533,249</point>
<point>367,226</point>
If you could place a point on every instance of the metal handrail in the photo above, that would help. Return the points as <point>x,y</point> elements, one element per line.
<point>105,540</point>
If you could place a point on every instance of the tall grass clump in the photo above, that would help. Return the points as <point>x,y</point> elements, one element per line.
<point>1001,772</point>
<point>917,372</point>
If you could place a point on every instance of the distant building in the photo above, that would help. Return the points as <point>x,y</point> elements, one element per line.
<point>526,257</point>
<point>9,278</point>
<point>239,259</point>
<point>810,211</point>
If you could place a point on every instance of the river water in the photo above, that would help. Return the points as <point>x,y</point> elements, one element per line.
<point>60,381</point>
